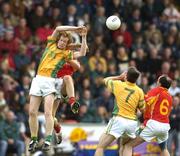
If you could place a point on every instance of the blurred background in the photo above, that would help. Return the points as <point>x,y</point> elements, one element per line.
<point>148,38</point>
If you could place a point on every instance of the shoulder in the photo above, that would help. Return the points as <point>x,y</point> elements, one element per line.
<point>51,38</point>
<point>139,90</point>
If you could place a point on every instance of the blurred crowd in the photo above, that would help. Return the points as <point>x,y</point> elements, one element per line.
<point>148,38</point>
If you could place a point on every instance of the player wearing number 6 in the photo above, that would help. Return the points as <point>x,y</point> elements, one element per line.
<point>156,117</point>
<point>128,99</point>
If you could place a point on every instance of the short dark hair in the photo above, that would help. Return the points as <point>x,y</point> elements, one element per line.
<point>165,81</point>
<point>132,74</point>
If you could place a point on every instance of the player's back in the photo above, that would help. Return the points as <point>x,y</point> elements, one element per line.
<point>159,103</point>
<point>128,98</point>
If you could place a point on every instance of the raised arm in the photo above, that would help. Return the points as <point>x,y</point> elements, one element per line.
<point>121,77</point>
<point>83,49</point>
<point>65,28</point>
<point>75,64</point>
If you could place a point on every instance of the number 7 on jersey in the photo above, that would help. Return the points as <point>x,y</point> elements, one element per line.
<point>131,91</point>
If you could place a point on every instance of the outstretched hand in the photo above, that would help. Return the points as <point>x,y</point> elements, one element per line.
<point>81,30</point>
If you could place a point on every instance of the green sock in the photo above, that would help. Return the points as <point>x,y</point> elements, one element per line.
<point>34,138</point>
<point>48,138</point>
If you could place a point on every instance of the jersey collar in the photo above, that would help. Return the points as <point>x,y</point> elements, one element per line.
<point>129,83</point>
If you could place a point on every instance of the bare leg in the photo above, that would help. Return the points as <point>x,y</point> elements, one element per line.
<point>48,108</point>
<point>33,112</point>
<point>55,107</point>
<point>122,142</point>
<point>69,86</point>
<point>165,153</point>
<point>164,150</point>
<point>104,141</point>
<point>129,146</point>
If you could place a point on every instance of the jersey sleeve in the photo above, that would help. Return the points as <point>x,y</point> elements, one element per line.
<point>142,102</point>
<point>112,84</point>
<point>50,41</point>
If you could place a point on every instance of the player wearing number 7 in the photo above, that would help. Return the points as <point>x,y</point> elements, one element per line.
<point>156,117</point>
<point>128,99</point>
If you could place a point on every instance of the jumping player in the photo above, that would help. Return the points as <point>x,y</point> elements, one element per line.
<point>44,84</point>
<point>128,98</point>
<point>66,74</point>
<point>156,117</point>
<point>68,85</point>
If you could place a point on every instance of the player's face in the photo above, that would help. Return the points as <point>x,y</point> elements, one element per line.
<point>62,43</point>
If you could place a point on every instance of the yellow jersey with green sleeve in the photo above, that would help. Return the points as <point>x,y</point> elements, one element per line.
<point>53,59</point>
<point>128,98</point>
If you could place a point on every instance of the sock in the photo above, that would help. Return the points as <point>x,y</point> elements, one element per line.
<point>57,128</point>
<point>48,138</point>
<point>71,100</point>
<point>34,138</point>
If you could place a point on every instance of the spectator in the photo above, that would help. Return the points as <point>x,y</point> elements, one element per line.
<point>101,115</point>
<point>122,59</point>
<point>21,59</point>
<point>171,42</point>
<point>71,18</point>
<point>7,58</point>
<point>144,84</point>
<point>172,14</point>
<point>10,135</point>
<point>174,89</point>
<point>55,16</point>
<point>98,43</point>
<point>115,6</point>
<point>153,63</point>
<point>22,31</point>
<point>155,41</point>
<point>37,18</point>
<point>6,13</point>
<point>99,20</point>
<point>166,69</point>
<point>86,99</point>
<point>138,43</point>
<point>106,100</point>
<point>9,43</point>
<point>84,115</point>
<point>109,56</point>
<point>140,59</point>
<point>137,29</point>
<point>43,32</point>
<point>112,70</point>
<point>17,8</point>
<point>5,26</point>
<point>174,134</point>
<point>97,59</point>
<point>125,33</point>
<point>149,11</point>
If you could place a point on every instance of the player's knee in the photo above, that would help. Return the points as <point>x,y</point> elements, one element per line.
<point>67,78</point>
<point>33,113</point>
<point>48,114</point>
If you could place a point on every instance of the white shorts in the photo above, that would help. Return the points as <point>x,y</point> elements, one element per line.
<point>119,126</point>
<point>43,86</point>
<point>155,130</point>
<point>58,86</point>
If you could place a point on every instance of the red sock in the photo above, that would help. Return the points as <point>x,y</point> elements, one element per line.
<point>71,100</point>
<point>57,128</point>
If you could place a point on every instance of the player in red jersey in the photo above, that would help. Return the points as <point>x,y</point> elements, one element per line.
<point>156,117</point>
<point>65,77</point>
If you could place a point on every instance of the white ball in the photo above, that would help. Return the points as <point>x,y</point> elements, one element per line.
<point>113,22</point>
